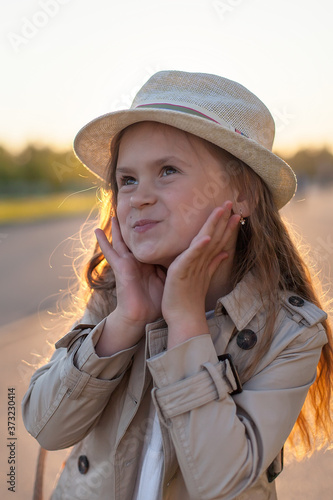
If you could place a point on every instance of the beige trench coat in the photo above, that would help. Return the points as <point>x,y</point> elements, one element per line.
<point>217,444</point>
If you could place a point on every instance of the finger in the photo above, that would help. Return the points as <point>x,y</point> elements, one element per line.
<point>221,225</point>
<point>216,262</point>
<point>193,254</point>
<point>226,231</point>
<point>105,246</point>
<point>216,223</point>
<point>124,275</point>
<point>219,215</point>
<point>206,248</point>
<point>207,244</point>
<point>220,218</point>
<point>117,239</point>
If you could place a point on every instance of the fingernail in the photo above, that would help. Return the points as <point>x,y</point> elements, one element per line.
<point>228,205</point>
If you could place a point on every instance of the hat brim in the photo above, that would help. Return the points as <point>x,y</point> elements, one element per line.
<point>92,145</point>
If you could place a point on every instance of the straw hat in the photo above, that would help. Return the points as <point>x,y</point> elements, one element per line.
<point>209,106</point>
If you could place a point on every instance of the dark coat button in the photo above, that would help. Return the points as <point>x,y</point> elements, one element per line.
<point>246,339</point>
<point>296,301</point>
<point>83,464</point>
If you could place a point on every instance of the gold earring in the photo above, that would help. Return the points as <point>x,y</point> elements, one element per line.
<point>241,220</point>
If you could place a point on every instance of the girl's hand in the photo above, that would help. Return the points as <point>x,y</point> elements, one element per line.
<point>139,291</point>
<point>190,274</point>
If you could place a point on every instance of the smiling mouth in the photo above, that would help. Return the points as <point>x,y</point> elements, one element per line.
<point>144,225</point>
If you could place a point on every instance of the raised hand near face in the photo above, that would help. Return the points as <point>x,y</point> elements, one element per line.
<point>139,294</point>
<point>189,276</point>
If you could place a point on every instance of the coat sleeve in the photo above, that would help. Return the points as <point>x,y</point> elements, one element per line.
<point>224,443</point>
<point>67,396</point>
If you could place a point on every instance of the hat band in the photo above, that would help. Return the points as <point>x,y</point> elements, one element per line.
<point>190,111</point>
<point>174,107</point>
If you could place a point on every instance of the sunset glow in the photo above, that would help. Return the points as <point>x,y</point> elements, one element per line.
<point>66,62</point>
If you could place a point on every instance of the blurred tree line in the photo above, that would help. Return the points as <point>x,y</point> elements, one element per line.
<point>312,166</point>
<point>36,171</point>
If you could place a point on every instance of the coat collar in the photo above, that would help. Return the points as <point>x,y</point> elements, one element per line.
<point>242,303</point>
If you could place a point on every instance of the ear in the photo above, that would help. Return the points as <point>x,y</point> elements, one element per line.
<point>241,204</point>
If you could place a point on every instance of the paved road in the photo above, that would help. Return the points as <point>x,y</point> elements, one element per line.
<point>34,266</point>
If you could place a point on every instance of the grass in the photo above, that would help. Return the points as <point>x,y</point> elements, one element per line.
<point>27,209</point>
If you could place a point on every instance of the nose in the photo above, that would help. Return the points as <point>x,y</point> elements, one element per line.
<point>144,195</point>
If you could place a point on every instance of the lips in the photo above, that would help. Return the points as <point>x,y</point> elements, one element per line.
<point>144,225</point>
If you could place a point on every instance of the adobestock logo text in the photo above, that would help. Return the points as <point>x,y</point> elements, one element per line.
<point>31,26</point>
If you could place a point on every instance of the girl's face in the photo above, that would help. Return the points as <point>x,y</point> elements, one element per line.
<point>168,184</point>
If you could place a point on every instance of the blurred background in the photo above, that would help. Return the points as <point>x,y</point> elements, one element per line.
<point>65,62</point>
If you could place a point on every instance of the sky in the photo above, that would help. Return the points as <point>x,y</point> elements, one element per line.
<point>65,62</point>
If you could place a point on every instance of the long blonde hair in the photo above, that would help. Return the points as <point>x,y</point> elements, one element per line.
<point>265,248</point>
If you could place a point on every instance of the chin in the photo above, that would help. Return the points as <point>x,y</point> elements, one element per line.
<point>155,260</point>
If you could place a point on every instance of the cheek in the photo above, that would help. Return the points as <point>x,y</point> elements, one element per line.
<point>122,210</point>
<point>194,210</point>
<point>122,214</point>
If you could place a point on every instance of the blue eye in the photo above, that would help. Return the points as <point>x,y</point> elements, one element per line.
<point>168,171</point>
<point>126,180</point>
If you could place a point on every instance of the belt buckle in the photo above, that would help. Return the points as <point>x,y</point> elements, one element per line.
<point>228,356</point>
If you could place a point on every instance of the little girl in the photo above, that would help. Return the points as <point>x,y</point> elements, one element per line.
<point>202,334</point>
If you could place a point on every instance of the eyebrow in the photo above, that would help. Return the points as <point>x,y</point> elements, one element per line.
<point>161,161</point>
